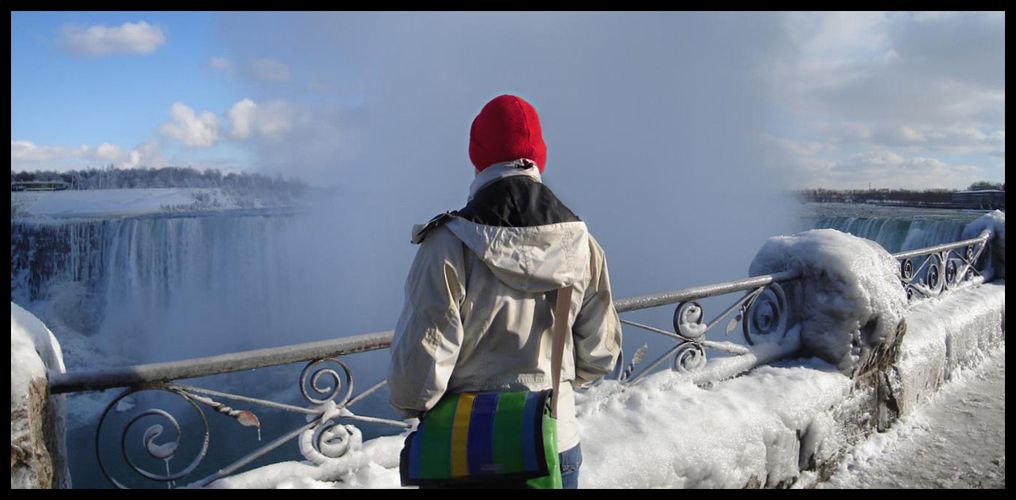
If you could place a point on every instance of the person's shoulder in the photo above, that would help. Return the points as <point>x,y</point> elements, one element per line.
<point>594,247</point>
<point>422,231</point>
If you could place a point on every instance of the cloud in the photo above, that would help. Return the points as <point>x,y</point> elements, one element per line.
<point>193,130</point>
<point>269,120</point>
<point>917,85</point>
<point>888,169</point>
<point>958,138</point>
<point>28,151</point>
<point>241,115</point>
<point>107,151</point>
<point>816,164</point>
<point>27,155</point>
<point>98,40</point>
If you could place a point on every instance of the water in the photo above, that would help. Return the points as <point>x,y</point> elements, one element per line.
<point>895,228</point>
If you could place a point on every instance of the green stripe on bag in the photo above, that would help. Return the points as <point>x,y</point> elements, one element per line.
<point>438,439</point>
<point>508,429</point>
<point>552,480</point>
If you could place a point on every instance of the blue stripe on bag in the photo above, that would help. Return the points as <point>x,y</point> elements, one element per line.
<point>481,434</point>
<point>414,455</point>
<point>529,430</point>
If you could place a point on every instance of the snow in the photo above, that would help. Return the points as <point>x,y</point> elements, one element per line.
<point>376,465</point>
<point>119,202</point>
<point>956,440</point>
<point>33,349</point>
<point>852,298</point>
<point>670,433</point>
<point>945,334</point>
<point>761,352</point>
<point>994,222</point>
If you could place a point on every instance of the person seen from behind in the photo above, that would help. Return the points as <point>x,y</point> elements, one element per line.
<point>481,289</point>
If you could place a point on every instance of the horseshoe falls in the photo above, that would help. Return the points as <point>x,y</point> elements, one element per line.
<point>895,228</point>
<point>159,286</point>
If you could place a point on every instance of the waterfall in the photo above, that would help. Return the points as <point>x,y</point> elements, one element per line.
<point>167,287</point>
<point>895,228</point>
<point>896,235</point>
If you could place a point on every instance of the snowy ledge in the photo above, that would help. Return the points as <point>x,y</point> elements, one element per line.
<point>38,449</point>
<point>55,206</point>
<point>783,425</point>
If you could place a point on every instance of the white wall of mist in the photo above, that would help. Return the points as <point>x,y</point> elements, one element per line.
<point>652,122</point>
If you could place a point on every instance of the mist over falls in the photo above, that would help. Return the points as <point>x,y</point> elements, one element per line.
<point>158,288</point>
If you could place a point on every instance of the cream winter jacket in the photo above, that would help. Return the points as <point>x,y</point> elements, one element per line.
<point>480,296</point>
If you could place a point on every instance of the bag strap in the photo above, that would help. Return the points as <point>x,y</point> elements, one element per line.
<point>560,328</point>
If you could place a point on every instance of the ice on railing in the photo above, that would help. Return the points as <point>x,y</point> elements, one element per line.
<point>851,297</point>
<point>994,222</point>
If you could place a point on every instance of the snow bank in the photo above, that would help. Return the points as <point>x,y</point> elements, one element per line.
<point>994,222</point>
<point>668,433</point>
<point>945,334</point>
<point>375,465</point>
<point>851,298</point>
<point>38,427</point>
<point>33,348</point>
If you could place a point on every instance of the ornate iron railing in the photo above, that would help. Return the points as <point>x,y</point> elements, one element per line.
<point>764,311</point>
<point>927,272</point>
<point>326,435</point>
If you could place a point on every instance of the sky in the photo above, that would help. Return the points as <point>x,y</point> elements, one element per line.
<point>843,99</point>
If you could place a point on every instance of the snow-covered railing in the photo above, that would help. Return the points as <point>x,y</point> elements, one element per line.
<point>764,311</point>
<point>941,267</point>
<point>326,383</point>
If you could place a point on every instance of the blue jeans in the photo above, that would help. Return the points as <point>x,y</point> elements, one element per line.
<point>571,460</point>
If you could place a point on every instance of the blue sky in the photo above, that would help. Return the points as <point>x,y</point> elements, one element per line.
<point>789,99</point>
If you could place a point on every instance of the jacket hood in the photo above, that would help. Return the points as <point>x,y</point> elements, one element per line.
<point>533,259</point>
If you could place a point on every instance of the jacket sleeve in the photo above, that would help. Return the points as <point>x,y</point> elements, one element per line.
<point>597,329</point>
<point>429,331</point>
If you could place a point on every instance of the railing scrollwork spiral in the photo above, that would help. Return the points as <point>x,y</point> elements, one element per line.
<point>311,380</point>
<point>150,443</point>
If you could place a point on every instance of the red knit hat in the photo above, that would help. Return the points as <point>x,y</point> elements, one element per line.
<point>506,129</point>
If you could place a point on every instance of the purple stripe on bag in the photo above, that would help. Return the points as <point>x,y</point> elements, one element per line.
<point>481,435</point>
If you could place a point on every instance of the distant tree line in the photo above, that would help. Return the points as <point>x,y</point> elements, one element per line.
<point>891,195</point>
<point>166,177</point>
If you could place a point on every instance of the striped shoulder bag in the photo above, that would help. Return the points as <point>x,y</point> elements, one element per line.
<point>484,439</point>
